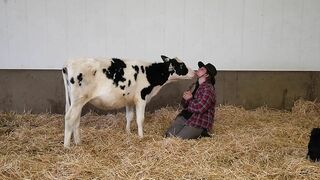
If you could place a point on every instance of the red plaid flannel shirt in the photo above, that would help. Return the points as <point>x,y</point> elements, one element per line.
<point>202,106</point>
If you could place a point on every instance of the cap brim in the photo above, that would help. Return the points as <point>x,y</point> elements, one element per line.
<point>200,64</point>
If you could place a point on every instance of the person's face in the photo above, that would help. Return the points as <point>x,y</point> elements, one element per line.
<point>201,72</point>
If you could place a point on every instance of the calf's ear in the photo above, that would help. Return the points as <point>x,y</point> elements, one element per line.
<point>165,58</point>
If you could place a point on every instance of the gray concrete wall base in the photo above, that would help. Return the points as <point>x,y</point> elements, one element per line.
<point>39,91</point>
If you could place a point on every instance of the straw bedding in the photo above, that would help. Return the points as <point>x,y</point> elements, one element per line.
<point>256,144</point>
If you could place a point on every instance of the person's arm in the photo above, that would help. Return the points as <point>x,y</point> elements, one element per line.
<point>203,103</point>
<point>187,96</point>
<point>184,103</point>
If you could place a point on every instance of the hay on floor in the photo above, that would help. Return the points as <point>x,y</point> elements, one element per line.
<point>258,144</point>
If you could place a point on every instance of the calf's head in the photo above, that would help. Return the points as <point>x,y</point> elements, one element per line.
<point>178,69</point>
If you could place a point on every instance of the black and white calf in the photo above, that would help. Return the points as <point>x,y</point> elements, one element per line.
<point>115,83</point>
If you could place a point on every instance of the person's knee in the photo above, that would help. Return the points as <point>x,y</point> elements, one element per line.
<point>188,136</point>
<point>180,120</point>
<point>175,127</point>
<point>190,133</point>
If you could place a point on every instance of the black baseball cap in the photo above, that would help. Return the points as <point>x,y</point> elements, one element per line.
<point>211,70</point>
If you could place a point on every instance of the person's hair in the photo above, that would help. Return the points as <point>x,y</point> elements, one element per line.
<point>211,79</point>
<point>195,89</point>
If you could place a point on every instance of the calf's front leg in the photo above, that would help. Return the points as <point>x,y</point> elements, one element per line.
<point>129,117</point>
<point>140,110</point>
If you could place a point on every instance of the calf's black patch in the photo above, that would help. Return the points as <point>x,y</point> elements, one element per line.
<point>142,69</point>
<point>64,70</point>
<point>115,71</point>
<point>72,80</point>
<point>80,78</point>
<point>146,91</point>
<point>136,68</point>
<point>157,74</point>
<point>314,145</point>
<point>122,87</point>
<point>129,83</point>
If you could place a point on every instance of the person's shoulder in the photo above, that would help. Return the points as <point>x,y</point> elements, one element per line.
<point>209,86</point>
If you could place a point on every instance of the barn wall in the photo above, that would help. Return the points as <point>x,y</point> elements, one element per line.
<point>267,51</point>
<point>42,90</point>
<point>232,34</point>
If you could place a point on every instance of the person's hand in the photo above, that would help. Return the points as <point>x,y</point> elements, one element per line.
<point>187,95</point>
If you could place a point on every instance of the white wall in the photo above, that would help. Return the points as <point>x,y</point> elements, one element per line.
<point>232,34</point>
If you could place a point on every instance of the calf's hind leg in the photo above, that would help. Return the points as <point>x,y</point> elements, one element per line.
<point>72,123</point>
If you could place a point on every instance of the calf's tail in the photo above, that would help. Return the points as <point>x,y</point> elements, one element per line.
<point>67,88</point>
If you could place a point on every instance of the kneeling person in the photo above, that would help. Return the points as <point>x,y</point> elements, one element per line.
<point>196,119</point>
